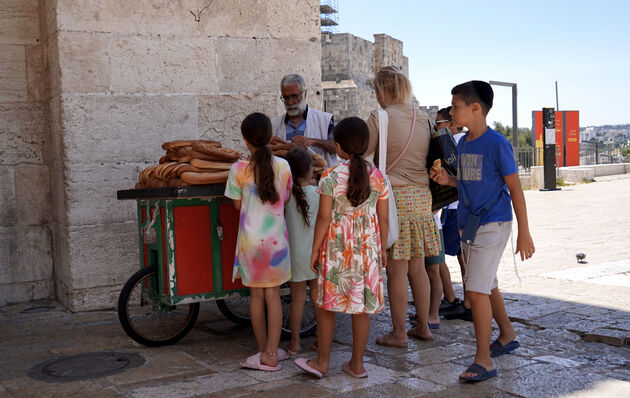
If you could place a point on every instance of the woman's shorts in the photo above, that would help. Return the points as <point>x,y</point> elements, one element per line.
<point>482,258</point>
<point>451,234</point>
<point>418,234</point>
<point>433,260</point>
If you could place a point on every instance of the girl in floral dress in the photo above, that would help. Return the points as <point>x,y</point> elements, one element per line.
<point>349,246</point>
<point>260,187</point>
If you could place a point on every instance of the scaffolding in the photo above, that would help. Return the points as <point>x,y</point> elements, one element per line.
<point>329,15</point>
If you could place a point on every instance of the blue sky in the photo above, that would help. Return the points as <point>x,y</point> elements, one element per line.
<point>584,45</point>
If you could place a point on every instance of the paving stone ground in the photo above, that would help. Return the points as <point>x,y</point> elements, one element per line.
<point>573,322</point>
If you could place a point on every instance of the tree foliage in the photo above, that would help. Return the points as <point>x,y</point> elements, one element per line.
<point>524,134</point>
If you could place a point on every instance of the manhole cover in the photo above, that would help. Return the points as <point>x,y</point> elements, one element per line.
<point>85,366</point>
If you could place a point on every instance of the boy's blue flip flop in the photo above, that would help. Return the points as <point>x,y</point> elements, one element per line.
<point>497,349</point>
<point>480,373</point>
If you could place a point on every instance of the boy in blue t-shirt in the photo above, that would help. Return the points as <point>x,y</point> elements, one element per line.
<point>487,181</point>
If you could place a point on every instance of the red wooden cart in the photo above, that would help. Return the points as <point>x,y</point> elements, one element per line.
<point>187,239</point>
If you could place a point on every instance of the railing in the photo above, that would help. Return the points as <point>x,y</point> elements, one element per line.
<point>598,153</point>
<point>590,154</point>
<point>524,159</point>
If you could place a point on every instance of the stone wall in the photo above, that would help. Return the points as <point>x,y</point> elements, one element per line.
<point>122,78</point>
<point>349,64</point>
<point>347,75</point>
<point>26,266</point>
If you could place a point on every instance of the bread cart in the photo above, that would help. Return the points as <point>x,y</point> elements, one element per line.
<point>187,240</point>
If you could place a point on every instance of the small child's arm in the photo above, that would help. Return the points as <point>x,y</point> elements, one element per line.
<point>324,216</point>
<point>237,203</point>
<point>382,213</point>
<point>524,241</point>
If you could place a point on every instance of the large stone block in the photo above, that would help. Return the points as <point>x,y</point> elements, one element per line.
<point>91,192</point>
<point>22,133</point>
<point>243,65</point>
<point>8,213</point>
<point>59,194</point>
<point>165,17</point>
<point>102,255</point>
<point>19,21</point>
<point>257,65</point>
<point>12,73</point>
<point>294,19</point>
<point>220,116</point>
<point>26,291</point>
<point>125,129</point>
<point>32,193</point>
<point>84,62</point>
<point>36,72</point>
<point>60,254</point>
<point>53,72</point>
<point>163,64</point>
<point>229,18</point>
<point>89,299</point>
<point>28,254</point>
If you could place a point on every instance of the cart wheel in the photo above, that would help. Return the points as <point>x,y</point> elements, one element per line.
<point>148,321</point>
<point>308,318</point>
<point>236,309</point>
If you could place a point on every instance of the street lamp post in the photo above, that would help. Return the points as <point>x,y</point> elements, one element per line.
<point>514,117</point>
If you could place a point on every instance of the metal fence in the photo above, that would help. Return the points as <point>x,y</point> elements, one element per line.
<point>590,154</point>
<point>526,157</point>
<point>598,153</point>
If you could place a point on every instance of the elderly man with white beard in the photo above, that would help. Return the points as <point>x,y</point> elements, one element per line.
<point>303,125</point>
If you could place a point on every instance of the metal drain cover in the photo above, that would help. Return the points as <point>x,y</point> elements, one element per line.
<point>85,366</point>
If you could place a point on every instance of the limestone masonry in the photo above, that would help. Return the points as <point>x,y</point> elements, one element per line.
<point>90,90</point>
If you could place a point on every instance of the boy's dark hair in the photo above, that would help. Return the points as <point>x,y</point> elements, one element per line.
<point>256,129</point>
<point>300,162</point>
<point>352,135</point>
<point>444,113</point>
<point>475,91</point>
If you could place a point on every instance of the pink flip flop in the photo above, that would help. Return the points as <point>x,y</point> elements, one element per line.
<point>302,363</point>
<point>282,355</point>
<point>346,368</point>
<point>253,362</point>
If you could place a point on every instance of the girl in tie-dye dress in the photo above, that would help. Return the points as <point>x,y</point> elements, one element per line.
<point>260,187</point>
<point>349,246</point>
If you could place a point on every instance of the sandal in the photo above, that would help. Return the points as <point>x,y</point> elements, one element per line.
<point>253,362</point>
<point>497,349</point>
<point>346,368</point>
<point>302,363</point>
<point>480,373</point>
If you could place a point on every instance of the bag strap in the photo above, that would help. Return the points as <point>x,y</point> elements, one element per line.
<point>407,144</point>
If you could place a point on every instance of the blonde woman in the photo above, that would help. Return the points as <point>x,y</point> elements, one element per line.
<point>419,236</point>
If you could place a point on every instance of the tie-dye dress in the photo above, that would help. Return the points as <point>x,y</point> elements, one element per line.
<point>350,278</point>
<point>262,246</point>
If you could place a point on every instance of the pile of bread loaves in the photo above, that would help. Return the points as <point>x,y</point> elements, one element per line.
<point>201,162</point>
<point>280,148</point>
<point>189,162</point>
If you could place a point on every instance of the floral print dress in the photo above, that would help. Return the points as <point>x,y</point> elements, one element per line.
<point>262,246</point>
<point>350,278</point>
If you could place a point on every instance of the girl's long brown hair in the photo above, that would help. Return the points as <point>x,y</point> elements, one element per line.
<point>256,129</point>
<point>352,135</point>
<point>300,162</point>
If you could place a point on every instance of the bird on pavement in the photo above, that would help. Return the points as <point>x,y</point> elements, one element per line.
<point>580,255</point>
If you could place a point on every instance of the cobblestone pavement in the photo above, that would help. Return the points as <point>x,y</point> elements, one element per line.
<point>573,322</point>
